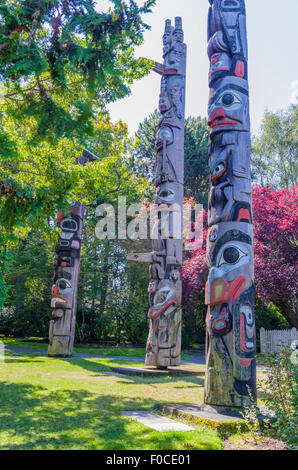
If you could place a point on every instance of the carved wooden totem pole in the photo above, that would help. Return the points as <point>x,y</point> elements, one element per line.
<point>231,339</point>
<point>165,288</point>
<point>67,269</point>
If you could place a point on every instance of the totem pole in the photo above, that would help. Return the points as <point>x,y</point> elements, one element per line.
<point>67,269</point>
<point>165,288</point>
<point>231,339</point>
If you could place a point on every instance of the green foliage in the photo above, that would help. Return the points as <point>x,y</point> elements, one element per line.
<point>48,48</point>
<point>143,154</point>
<point>275,149</point>
<point>5,262</point>
<point>61,62</point>
<point>36,184</point>
<point>254,423</point>
<point>196,180</point>
<point>113,297</point>
<point>27,310</point>
<point>281,395</point>
<point>269,317</point>
<point>27,213</point>
<point>193,326</point>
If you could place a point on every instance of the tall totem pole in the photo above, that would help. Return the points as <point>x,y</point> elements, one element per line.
<point>165,287</point>
<point>67,269</point>
<point>231,339</point>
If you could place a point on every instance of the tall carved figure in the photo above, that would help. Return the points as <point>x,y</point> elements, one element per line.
<point>165,288</point>
<point>231,340</point>
<point>67,269</point>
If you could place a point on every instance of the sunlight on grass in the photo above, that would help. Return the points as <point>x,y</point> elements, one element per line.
<point>48,403</point>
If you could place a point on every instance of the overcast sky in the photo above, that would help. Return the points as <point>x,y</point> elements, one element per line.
<point>273,69</point>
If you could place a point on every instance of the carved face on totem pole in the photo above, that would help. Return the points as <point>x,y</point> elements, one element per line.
<point>67,264</point>
<point>68,249</point>
<point>165,288</point>
<point>166,299</point>
<point>229,255</point>
<point>229,289</point>
<point>228,108</point>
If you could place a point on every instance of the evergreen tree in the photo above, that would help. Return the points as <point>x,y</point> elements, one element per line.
<point>196,178</point>
<point>53,51</point>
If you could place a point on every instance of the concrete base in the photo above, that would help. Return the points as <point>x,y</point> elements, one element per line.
<point>225,420</point>
<point>159,423</point>
<point>148,372</point>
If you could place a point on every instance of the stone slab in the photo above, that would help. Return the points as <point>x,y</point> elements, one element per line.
<point>113,374</point>
<point>196,410</point>
<point>156,422</point>
<point>225,420</point>
<point>147,372</point>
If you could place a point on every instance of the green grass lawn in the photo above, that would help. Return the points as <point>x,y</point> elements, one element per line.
<point>104,351</point>
<point>52,403</point>
<point>48,403</point>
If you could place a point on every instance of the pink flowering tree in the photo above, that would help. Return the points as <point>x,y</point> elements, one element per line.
<point>275,243</point>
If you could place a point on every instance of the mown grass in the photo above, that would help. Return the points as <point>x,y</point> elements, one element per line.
<point>48,403</point>
<point>104,351</point>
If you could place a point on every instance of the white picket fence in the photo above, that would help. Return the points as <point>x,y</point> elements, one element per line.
<point>272,340</point>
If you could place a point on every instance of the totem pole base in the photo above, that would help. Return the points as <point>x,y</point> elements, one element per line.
<point>61,356</point>
<point>60,346</point>
<point>148,372</point>
<point>163,348</point>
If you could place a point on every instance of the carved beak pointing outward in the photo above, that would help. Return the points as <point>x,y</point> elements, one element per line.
<point>229,260</point>
<point>155,312</point>
<point>164,302</point>
<point>219,291</point>
<point>58,301</point>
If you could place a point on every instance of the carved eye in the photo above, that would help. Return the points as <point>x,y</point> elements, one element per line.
<point>218,169</point>
<point>231,255</point>
<point>165,133</point>
<point>162,296</point>
<point>69,225</point>
<point>166,194</point>
<point>247,312</point>
<point>228,99</point>
<point>64,286</point>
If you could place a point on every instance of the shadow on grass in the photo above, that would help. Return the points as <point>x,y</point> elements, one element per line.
<point>33,417</point>
<point>97,367</point>
<point>16,360</point>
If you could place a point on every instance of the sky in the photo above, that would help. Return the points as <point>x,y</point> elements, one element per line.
<point>273,65</point>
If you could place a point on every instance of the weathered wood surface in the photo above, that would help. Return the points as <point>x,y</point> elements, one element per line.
<point>67,270</point>
<point>165,288</point>
<point>231,339</point>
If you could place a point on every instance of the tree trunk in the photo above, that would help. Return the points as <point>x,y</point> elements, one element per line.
<point>104,284</point>
<point>290,312</point>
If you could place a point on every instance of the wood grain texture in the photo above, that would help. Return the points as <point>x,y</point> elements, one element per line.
<point>67,271</point>
<point>165,287</point>
<point>231,340</point>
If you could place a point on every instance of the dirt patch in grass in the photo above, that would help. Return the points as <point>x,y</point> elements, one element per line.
<point>247,442</point>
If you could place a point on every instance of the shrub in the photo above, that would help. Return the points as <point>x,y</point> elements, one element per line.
<point>281,395</point>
